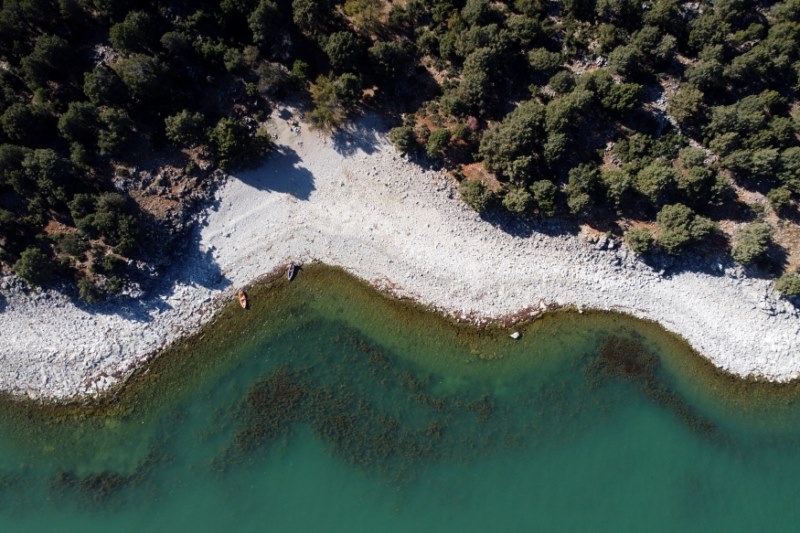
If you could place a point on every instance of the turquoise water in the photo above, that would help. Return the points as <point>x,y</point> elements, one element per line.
<point>327,407</point>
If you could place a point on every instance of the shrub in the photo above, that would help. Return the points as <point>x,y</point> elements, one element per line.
<point>789,284</point>
<point>752,242</point>
<point>184,128</point>
<point>581,183</point>
<point>33,266</point>
<point>437,142</point>
<point>517,200</point>
<point>345,51</point>
<point>640,240</point>
<point>562,82</point>
<point>680,226</point>
<point>87,291</point>
<point>779,198</point>
<point>475,195</point>
<point>656,180</point>
<point>544,192</point>
<point>687,105</point>
<point>618,183</point>
<point>79,122</point>
<point>328,113</point>
<point>236,145</point>
<point>404,139</point>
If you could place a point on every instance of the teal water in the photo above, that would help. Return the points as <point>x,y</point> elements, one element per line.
<point>327,407</point>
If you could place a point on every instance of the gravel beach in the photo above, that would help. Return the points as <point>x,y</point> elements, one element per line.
<point>353,201</point>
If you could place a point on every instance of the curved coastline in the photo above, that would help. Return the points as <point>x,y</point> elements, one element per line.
<point>353,202</point>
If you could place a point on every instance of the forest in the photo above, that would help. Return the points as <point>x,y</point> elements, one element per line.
<point>675,124</point>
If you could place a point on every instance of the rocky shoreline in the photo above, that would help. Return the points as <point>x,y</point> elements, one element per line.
<point>352,201</point>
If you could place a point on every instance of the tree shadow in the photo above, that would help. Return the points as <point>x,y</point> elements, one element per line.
<point>362,135</point>
<point>283,174</point>
<point>525,226</point>
<point>197,268</point>
<point>2,302</point>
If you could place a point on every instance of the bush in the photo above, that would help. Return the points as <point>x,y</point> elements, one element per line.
<point>437,142</point>
<point>184,129</point>
<point>345,51</point>
<point>656,181</point>
<point>679,227</point>
<point>33,266</point>
<point>517,200</point>
<point>562,82</point>
<point>752,242</point>
<point>404,139</point>
<point>544,192</point>
<point>328,113</point>
<point>779,198</point>
<point>87,291</point>
<point>789,284</point>
<point>235,145</point>
<point>640,240</point>
<point>475,195</point>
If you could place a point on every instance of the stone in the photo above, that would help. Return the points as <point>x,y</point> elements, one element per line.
<point>516,335</point>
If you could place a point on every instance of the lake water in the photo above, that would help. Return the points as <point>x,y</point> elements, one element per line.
<point>328,407</point>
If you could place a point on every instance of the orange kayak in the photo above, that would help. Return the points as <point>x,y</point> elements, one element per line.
<point>242,296</point>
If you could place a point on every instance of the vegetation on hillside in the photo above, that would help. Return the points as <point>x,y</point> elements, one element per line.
<point>655,116</point>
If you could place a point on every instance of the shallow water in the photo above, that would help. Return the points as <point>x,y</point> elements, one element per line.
<point>328,407</point>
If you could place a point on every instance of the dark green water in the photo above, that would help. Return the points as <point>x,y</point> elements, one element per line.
<point>327,407</point>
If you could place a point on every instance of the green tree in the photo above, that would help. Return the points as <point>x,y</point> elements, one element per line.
<point>345,51</point>
<point>779,198</point>
<point>365,14</point>
<point>752,243</point>
<point>103,86</point>
<point>475,195</point>
<point>116,131</point>
<point>349,89</point>
<point>310,15</point>
<point>265,22</point>
<point>134,34</point>
<point>50,60</point>
<point>26,124</point>
<point>562,82</point>
<point>517,200</point>
<point>87,292</point>
<point>687,105</point>
<point>789,284</point>
<point>618,184</point>
<point>235,145</point>
<point>544,192</point>
<point>508,147</point>
<point>33,266</point>
<point>639,240</point>
<point>437,142</point>
<point>543,61</point>
<point>679,227</point>
<point>142,75</point>
<point>390,59</point>
<point>184,128</point>
<point>656,181</point>
<point>79,123</point>
<point>328,113</point>
<point>581,184</point>
<point>404,139</point>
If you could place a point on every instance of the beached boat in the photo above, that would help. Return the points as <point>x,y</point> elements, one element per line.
<point>291,272</point>
<point>242,296</point>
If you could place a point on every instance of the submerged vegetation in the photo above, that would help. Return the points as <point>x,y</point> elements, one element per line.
<point>665,116</point>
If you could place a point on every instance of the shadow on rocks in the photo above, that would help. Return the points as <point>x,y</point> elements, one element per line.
<point>363,134</point>
<point>193,266</point>
<point>281,173</point>
<point>518,226</point>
